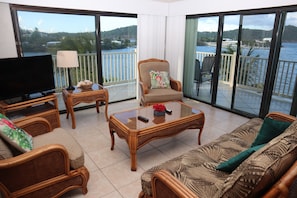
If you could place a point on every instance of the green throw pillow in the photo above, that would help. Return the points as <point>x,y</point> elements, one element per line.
<point>15,136</point>
<point>269,130</point>
<point>159,79</point>
<point>234,162</point>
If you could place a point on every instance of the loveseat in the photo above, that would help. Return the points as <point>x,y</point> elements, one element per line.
<point>36,161</point>
<point>269,171</point>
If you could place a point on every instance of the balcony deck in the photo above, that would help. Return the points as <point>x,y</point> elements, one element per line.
<point>246,100</point>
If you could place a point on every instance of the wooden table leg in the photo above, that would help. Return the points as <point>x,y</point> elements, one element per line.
<point>199,136</point>
<point>112,139</point>
<point>97,106</point>
<point>106,104</point>
<point>133,141</point>
<point>72,117</point>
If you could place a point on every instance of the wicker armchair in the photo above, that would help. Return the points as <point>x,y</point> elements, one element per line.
<point>49,170</point>
<point>150,95</point>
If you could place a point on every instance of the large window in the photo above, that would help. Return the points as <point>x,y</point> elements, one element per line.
<point>255,68</point>
<point>105,43</point>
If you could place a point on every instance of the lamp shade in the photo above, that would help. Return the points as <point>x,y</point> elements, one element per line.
<point>67,59</point>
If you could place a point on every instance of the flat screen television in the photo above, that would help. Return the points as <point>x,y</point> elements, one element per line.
<point>22,77</point>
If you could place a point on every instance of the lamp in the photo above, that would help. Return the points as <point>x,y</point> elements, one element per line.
<point>67,59</point>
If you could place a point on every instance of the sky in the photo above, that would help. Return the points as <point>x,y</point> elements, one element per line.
<point>51,23</point>
<point>261,21</point>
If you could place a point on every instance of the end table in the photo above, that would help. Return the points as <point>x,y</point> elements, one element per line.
<point>73,97</point>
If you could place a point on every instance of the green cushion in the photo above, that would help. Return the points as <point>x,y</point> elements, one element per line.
<point>234,162</point>
<point>15,136</point>
<point>159,79</point>
<point>269,130</point>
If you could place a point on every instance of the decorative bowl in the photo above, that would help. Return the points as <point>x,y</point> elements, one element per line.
<point>88,86</point>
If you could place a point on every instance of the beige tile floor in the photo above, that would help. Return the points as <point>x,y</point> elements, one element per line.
<point>110,175</point>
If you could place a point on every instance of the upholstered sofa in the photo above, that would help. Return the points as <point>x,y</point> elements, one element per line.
<point>270,171</point>
<point>41,162</point>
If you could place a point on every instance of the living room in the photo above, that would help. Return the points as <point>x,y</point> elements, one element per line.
<point>169,18</point>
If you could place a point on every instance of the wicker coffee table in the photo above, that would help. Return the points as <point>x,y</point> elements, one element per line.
<point>138,133</point>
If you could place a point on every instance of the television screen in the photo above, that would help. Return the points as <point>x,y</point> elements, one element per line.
<point>20,77</point>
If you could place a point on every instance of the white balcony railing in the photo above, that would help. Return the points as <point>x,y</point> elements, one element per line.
<point>252,73</point>
<point>117,68</point>
<point>120,67</point>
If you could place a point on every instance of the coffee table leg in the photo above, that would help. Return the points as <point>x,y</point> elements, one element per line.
<point>199,136</point>
<point>112,139</point>
<point>133,141</point>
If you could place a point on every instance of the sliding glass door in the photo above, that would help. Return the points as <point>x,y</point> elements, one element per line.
<point>255,68</point>
<point>255,39</point>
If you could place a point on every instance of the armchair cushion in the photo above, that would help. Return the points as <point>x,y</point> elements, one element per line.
<point>162,95</point>
<point>5,152</point>
<point>159,79</point>
<point>60,136</point>
<point>15,136</point>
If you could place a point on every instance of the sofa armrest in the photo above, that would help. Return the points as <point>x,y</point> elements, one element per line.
<point>37,166</point>
<point>175,84</point>
<point>282,187</point>
<point>165,185</point>
<point>143,88</point>
<point>281,116</point>
<point>35,126</point>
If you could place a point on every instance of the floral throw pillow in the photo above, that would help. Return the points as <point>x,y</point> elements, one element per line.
<point>159,79</point>
<point>15,136</point>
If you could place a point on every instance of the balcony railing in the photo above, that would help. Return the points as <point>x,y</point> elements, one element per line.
<point>117,68</point>
<point>120,67</point>
<point>252,73</point>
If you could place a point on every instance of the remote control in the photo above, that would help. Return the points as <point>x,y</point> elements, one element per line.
<point>143,119</point>
<point>168,111</point>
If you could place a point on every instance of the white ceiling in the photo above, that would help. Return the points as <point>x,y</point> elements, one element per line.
<point>167,1</point>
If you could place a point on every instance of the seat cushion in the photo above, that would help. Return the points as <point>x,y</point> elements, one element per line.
<point>60,136</point>
<point>162,95</point>
<point>5,152</point>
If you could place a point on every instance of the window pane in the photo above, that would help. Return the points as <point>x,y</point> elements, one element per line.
<point>46,33</point>
<point>118,43</point>
<point>285,80</point>
<point>253,62</point>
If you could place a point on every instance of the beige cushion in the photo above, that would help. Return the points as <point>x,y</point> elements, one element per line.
<point>60,136</point>
<point>5,152</point>
<point>145,68</point>
<point>264,167</point>
<point>162,95</point>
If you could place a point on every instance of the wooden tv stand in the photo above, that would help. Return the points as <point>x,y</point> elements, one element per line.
<point>46,107</point>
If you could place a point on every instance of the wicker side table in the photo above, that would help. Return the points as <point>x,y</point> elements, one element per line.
<point>73,97</point>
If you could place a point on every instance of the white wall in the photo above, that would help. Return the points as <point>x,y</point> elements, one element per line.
<point>7,41</point>
<point>187,7</point>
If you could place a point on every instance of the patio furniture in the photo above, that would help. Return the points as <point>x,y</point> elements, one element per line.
<point>54,166</point>
<point>139,132</point>
<point>204,73</point>
<point>156,85</point>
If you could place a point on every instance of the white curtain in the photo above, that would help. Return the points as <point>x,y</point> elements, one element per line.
<point>151,36</point>
<point>190,49</point>
<point>175,42</point>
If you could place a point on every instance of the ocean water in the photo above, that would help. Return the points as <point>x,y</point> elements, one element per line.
<point>288,51</point>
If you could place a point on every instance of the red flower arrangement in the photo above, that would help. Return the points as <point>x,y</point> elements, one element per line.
<point>159,107</point>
